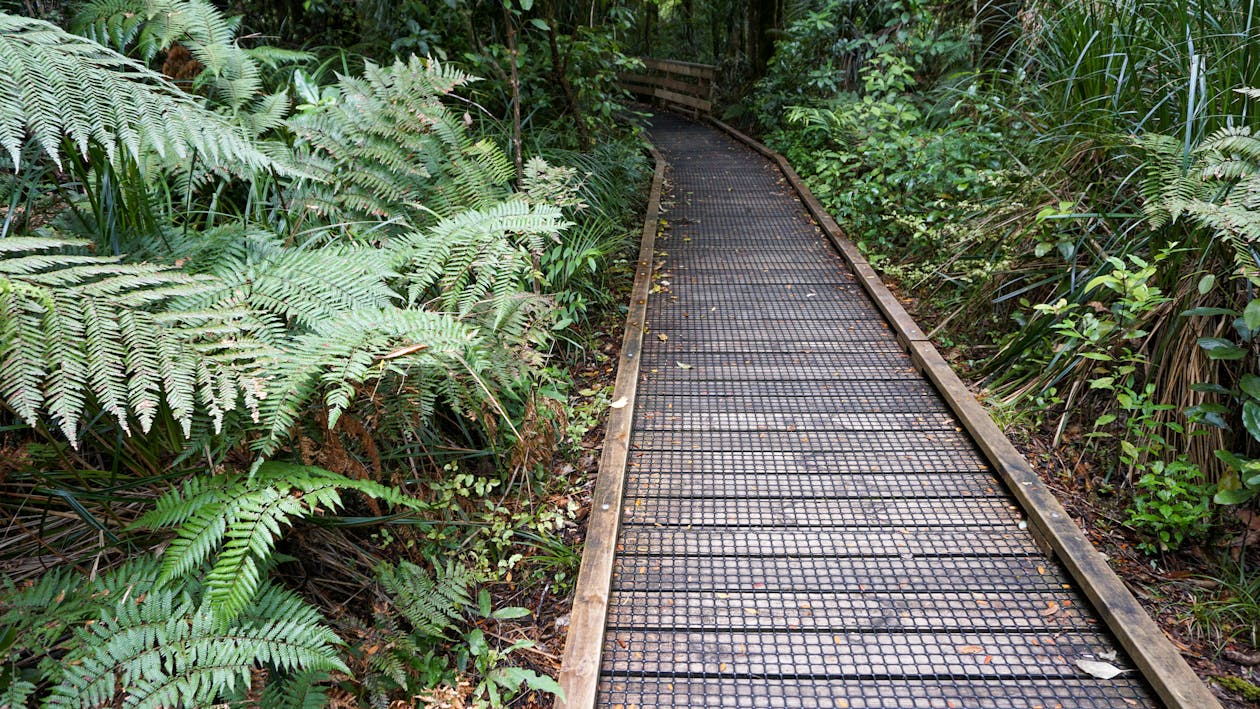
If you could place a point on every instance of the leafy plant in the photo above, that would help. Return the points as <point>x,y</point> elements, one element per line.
<point>58,85</point>
<point>124,638</point>
<point>1171,503</point>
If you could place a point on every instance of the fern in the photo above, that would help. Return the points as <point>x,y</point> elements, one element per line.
<point>167,651</point>
<point>1216,188</point>
<point>56,85</point>
<point>230,74</point>
<point>79,331</point>
<point>118,638</point>
<point>390,147</point>
<point>477,255</point>
<point>242,518</point>
<point>432,603</point>
<point>301,690</point>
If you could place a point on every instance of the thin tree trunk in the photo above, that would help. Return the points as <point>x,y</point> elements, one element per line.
<point>560,70</point>
<point>514,81</point>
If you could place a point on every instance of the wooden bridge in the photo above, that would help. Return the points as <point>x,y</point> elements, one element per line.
<point>800,505</point>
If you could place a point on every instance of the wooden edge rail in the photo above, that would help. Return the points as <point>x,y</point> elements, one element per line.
<point>1154,654</point>
<point>579,670</point>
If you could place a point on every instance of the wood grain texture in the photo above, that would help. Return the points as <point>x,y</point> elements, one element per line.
<point>579,673</point>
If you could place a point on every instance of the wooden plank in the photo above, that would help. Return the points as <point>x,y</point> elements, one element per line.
<point>699,104</point>
<point>1045,610</point>
<point>852,654</point>
<point>973,574</point>
<point>656,483</point>
<point>579,672</point>
<point>824,542</point>
<point>683,87</point>
<point>671,692</point>
<point>964,513</point>
<point>1160,662</point>
<point>701,71</point>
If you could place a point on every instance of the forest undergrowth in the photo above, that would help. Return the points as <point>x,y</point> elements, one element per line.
<point>1066,193</point>
<point>302,349</point>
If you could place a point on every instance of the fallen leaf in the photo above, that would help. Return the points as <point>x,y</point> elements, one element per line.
<point>683,365</point>
<point>620,403</point>
<point>404,351</point>
<point>970,649</point>
<point>662,337</point>
<point>1051,608</point>
<point>1101,670</point>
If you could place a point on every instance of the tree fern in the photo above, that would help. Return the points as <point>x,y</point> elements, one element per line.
<point>478,255</point>
<point>79,331</point>
<point>242,518</point>
<point>391,147</point>
<point>230,74</point>
<point>56,85</point>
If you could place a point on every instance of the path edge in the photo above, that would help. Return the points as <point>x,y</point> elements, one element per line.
<point>583,648</point>
<point>1159,661</point>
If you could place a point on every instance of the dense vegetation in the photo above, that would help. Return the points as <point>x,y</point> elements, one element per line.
<point>292,295</point>
<point>283,345</point>
<point>1073,186</point>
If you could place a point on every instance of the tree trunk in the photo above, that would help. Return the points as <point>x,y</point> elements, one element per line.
<point>514,82</point>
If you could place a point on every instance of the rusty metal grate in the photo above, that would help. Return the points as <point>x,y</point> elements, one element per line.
<point>804,521</point>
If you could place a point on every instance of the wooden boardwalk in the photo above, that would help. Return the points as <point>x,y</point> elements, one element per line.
<point>805,521</point>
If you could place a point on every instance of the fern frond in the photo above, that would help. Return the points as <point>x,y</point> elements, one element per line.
<point>54,84</point>
<point>431,602</point>
<point>77,332</point>
<point>242,518</point>
<point>164,650</point>
<point>391,147</point>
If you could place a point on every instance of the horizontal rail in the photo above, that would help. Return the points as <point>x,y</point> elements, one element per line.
<point>678,85</point>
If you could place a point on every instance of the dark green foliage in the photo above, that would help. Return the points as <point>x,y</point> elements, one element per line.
<point>165,646</point>
<point>242,517</point>
<point>56,85</point>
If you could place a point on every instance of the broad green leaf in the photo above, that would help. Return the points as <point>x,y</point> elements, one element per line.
<point>1233,497</point>
<point>1206,283</point>
<point>540,24</point>
<point>1250,384</point>
<point>1251,315</point>
<point>1251,418</point>
<point>1209,388</point>
<point>1192,312</point>
<point>1229,459</point>
<point>1220,348</point>
<point>509,613</point>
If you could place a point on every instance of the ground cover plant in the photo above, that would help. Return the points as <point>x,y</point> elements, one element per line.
<point>285,355</point>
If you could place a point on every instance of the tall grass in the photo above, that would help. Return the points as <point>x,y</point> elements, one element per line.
<point>1090,77</point>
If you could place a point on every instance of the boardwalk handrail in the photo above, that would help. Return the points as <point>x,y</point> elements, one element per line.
<point>684,86</point>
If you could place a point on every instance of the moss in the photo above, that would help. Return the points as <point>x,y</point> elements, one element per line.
<point>1240,686</point>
